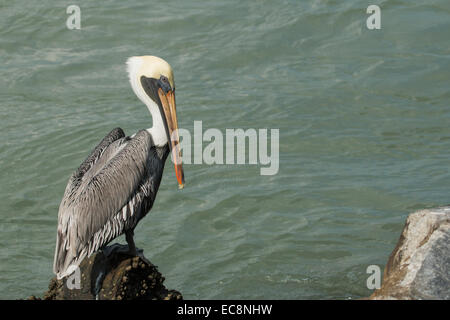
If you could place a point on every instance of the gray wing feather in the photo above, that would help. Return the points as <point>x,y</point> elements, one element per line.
<point>101,197</point>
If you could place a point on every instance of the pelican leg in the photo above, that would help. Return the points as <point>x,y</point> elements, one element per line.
<point>129,249</point>
<point>99,282</point>
<point>131,246</point>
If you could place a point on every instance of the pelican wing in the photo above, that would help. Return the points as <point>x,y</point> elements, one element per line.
<point>90,212</point>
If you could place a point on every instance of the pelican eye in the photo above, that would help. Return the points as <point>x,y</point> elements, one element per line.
<point>164,83</point>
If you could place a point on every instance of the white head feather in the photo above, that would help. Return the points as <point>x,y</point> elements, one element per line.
<point>150,67</point>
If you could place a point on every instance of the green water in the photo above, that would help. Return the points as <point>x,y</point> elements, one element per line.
<point>363,116</point>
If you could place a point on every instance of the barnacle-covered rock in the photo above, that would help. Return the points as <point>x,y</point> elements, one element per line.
<point>116,276</point>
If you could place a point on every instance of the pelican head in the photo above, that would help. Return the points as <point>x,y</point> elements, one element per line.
<point>152,81</point>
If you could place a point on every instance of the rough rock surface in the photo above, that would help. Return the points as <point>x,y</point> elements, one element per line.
<point>419,266</point>
<point>125,278</point>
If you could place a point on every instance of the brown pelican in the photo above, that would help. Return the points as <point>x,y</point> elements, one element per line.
<point>116,185</point>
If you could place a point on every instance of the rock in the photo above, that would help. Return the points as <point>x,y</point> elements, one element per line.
<point>125,278</point>
<point>419,266</point>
